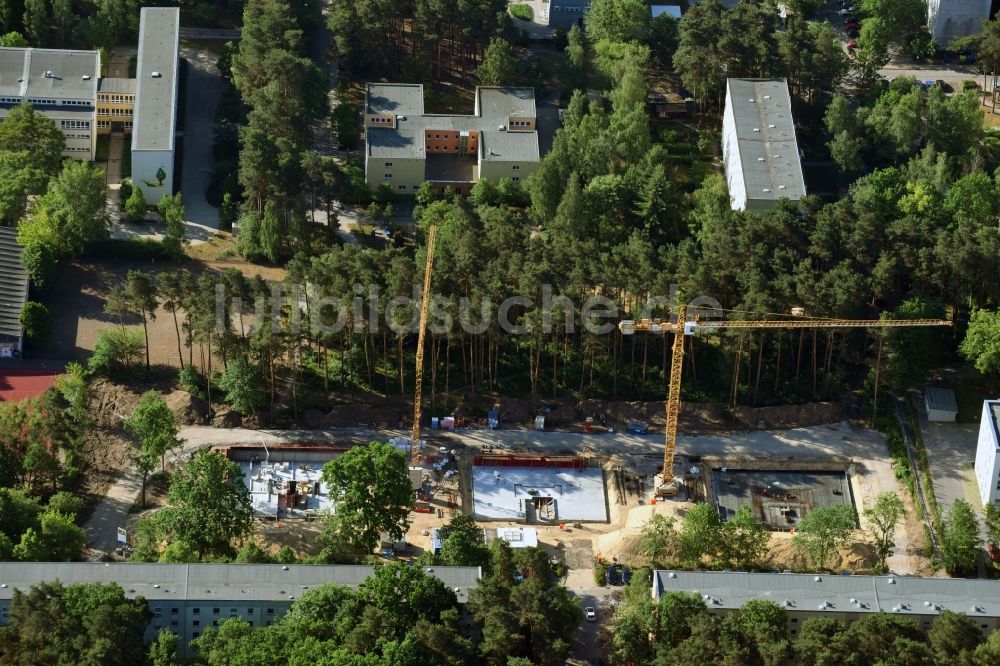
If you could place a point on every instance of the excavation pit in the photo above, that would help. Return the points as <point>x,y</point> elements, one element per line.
<point>779,499</point>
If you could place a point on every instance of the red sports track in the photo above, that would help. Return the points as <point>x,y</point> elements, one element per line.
<point>17,385</point>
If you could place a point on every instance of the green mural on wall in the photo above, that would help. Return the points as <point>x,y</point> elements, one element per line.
<point>161,176</point>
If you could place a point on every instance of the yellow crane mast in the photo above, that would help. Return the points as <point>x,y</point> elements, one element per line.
<point>425,305</point>
<point>683,326</point>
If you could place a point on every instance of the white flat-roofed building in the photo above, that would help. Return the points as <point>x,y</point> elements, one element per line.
<point>60,85</point>
<point>843,598</point>
<point>153,136</point>
<point>759,145</point>
<point>950,19</point>
<point>987,450</point>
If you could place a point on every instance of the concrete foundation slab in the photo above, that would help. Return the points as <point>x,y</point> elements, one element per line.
<point>539,494</point>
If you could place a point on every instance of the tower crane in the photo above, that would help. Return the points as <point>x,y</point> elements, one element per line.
<point>684,326</point>
<point>425,304</point>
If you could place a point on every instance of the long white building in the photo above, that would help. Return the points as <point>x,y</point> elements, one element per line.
<point>988,454</point>
<point>759,146</point>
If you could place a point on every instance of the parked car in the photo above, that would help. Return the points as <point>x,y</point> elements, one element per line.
<point>993,551</point>
<point>852,25</point>
<point>590,614</point>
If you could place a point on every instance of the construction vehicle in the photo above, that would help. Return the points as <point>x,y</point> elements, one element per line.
<point>667,485</point>
<point>425,304</point>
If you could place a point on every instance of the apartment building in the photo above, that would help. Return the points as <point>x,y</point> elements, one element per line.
<point>988,454</point>
<point>404,146</point>
<point>759,147</point>
<point>189,598</point>
<point>843,598</point>
<point>948,20</point>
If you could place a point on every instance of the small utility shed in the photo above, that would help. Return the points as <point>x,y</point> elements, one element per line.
<point>941,404</point>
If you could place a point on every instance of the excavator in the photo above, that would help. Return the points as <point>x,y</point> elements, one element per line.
<point>668,485</point>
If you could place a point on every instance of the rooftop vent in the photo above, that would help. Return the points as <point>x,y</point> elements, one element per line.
<point>48,74</point>
<point>768,189</point>
<point>770,126</point>
<point>502,128</point>
<point>760,159</point>
<point>781,187</point>
<point>767,97</point>
<point>753,101</point>
<point>400,117</point>
<point>85,77</point>
<point>756,129</point>
<point>156,75</point>
<point>787,602</point>
<point>891,581</point>
<point>853,601</point>
<point>670,575</point>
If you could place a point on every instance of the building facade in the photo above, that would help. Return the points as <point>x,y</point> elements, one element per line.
<point>950,19</point>
<point>189,598</point>
<point>66,86</point>
<point>13,294</point>
<point>405,146</point>
<point>60,85</point>
<point>759,147</point>
<point>154,133</point>
<point>843,598</point>
<point>988,454</point>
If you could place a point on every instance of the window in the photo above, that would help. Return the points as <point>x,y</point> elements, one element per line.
<point>250,622</point>
<point>215,610</point>
<point>270,611</point>
<point>795,620</point>
<point>196,623</point>
<point>515,178</point>
<point>402,187</point>
<point>157,611</point>
<point>516,167</point>
<point>196,611</point>
<point>173,623</point>
<point>249,611</point>
<point>195,634</point>
<point>388,176</point>
<point>74,124</point>
<point>174,611</point>
<point>388,164</point>
<point>232,610</point>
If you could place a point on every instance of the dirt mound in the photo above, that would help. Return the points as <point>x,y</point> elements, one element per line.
<point>363,415</point>
<point>782,555</point>
<point>188,409</point>
<point>561,415</point>
<point>111,403</point>
<point>227,418</point>
<point>790,416</point>
<point>514,410</point>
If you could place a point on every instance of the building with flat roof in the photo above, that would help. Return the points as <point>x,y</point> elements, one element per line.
<point>13,293</point>
<point>188,598</point>
<point>759,146</point>
<point>988,454</point>
<point>60,85</point>
<point>844,598</point>
<point>404,146</point>
<point>153,138</point>
<point>66,86</point>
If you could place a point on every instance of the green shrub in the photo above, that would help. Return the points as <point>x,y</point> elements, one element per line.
<point>521,11</point>
<point>130,248</point>
<point>600,573</point>
<point>36,320</point>
<point>193,381</point>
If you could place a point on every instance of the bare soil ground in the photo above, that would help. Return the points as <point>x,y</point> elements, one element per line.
<point>76,302</point>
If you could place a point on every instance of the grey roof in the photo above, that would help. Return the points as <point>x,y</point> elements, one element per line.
<point>903,595</point>
<point>509,146</point>
<point>765,131</point>
<point>398,98</point>
<point>156,98</point>
<point>13,283</point>
<point>501,103</point>
<point>49,73</point>
<point>208,582</point>
<point>494,105</point>
<point>116,86</point>
<point>940,399</point>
